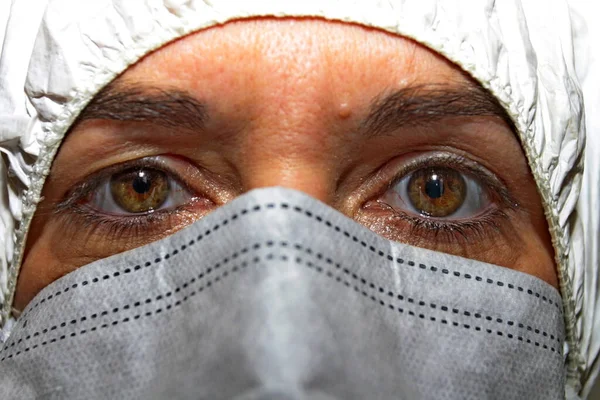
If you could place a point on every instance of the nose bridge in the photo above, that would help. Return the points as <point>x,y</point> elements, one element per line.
<point>291,140</point>
<point>307,179</point>
<point>291,150</point>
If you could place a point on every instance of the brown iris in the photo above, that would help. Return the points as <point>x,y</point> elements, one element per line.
<point>436,192</point>
<point>140,190</point>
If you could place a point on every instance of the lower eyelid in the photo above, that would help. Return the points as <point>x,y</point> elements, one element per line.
<point>402,227</point>
<point>129,231</point>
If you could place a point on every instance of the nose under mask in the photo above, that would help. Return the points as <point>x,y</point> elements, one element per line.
<point>278,296</point>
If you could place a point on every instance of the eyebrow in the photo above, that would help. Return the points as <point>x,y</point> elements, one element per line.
<point>137,103</point>
<point>428,103</point>
<point>410,106</point>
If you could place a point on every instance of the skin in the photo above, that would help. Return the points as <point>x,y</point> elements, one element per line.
<point>286,101</point>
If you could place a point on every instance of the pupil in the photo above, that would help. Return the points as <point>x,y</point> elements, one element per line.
<point>142,183</point>
<point>434,187</point>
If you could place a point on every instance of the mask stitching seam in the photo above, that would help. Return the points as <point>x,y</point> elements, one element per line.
<point>270,257</point>
<point>299,247</point>
<point>310,214</point>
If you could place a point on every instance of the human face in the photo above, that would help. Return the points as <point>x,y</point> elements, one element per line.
<point>375,125</point>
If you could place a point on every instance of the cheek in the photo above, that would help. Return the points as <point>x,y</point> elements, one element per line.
<point>41,267</point>
<point>517,245</point>
<point>537,257</point>
<point>539,263</point>
<point>56,248</point>
<point>526,251</point>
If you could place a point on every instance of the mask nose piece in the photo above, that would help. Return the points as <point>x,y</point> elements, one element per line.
<point>276,394</point>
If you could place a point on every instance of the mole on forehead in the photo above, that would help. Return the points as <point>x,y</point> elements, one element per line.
<point>344,110</point>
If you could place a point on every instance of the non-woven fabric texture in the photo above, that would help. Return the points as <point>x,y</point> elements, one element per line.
<point>279,296</point>
<point>57,54</point>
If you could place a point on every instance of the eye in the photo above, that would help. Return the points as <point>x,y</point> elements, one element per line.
<point>438,200</point>
<point>438,192</point>
<point>140,200</point>
<point>138,190</point>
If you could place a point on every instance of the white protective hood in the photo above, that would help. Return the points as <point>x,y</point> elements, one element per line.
<point>536,56</point>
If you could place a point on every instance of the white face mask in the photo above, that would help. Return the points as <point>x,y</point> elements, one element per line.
<point>278,296</point>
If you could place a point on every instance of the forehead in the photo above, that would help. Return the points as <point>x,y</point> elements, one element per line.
<point>283,57</point>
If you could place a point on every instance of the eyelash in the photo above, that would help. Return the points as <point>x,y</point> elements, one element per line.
<point>463,232</point>
<point>117,227</point>
<point>466,231</point>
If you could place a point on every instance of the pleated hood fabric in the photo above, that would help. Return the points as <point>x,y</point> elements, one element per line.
<point>536,57</point>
